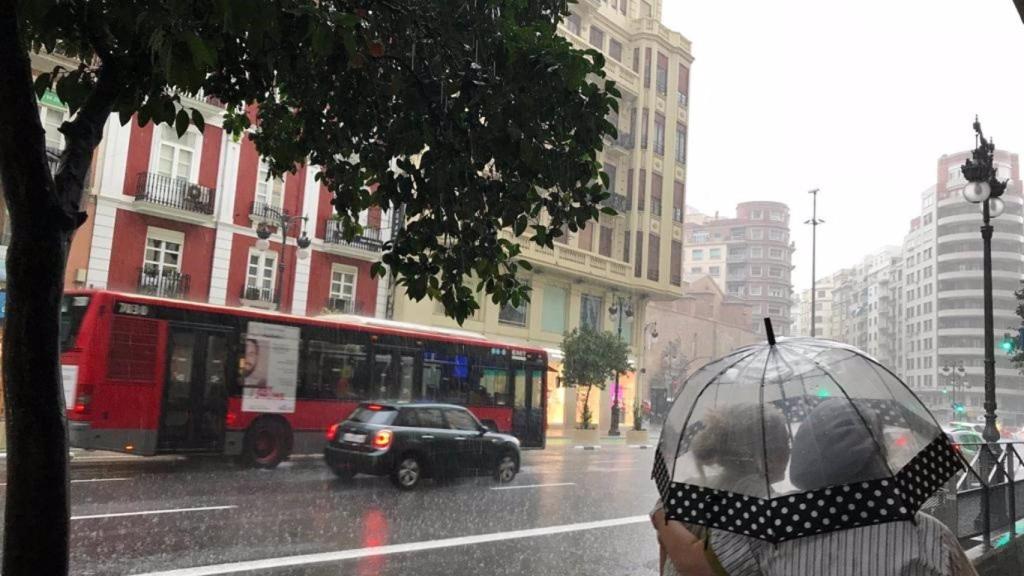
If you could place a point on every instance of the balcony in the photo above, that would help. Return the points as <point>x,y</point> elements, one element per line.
<point>266,212</point>
<point>624,142</point>
<point>617,202</point>
<point>162,194</point>
<point>340,306</point>
<point>258,297</point>
<point>371,240</point>
<point>168,283</point>
<point>53,159</point>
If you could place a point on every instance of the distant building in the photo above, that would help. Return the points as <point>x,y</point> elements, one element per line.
<point>749,257</point>
<point>862,300</point>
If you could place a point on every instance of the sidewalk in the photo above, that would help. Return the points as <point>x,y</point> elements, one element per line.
<point>563,437</point>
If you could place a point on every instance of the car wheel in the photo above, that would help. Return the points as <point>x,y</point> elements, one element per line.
<point>267,444</point>
<point>408,472</point>
<point>505,471</point>
<point>343,474</point>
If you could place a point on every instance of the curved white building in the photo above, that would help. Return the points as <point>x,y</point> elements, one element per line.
<point>943,299</point>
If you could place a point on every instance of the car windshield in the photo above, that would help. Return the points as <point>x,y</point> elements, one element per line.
<point>450,287</point>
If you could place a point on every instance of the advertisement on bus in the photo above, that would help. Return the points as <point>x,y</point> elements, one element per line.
<point>270,368</point>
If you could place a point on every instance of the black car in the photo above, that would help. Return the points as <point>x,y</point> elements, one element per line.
<point>409,442</point>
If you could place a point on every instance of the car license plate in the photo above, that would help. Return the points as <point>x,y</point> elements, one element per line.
<point>354,438</point>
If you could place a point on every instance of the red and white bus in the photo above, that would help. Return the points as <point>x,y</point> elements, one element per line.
<point>149,375</point>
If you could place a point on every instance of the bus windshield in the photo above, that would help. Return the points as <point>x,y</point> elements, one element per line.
<point>72,311</point>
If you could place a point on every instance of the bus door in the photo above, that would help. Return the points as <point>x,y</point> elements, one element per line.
<point>195,390</point>
<point>396,373</point>
<point>528,408</point>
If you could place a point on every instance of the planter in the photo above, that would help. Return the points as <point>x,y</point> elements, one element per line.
<point>637,436</point>
<point>590,437</point>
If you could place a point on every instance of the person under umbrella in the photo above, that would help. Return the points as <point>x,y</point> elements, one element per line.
<point>920,546</point>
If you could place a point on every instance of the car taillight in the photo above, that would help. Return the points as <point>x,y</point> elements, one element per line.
<point>82,404</point>
<point>382,440</point>
<point>332,432</point>
<point>230,419</point>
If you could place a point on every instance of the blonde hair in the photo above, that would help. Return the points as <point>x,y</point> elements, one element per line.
<point>732,436</point>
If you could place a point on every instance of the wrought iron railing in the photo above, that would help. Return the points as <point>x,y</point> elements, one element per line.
<point>266,212</point>
<point>259,294</point>
<point>617,202</point>
<point>53,159</point>
<point>167,283</point>
<point>371,239</point>
<point>340,306</point>
<point>174,193</point>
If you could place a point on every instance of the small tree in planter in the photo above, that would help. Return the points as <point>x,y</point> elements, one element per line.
<point>591,359</point>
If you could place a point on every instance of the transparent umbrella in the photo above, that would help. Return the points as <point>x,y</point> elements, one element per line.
<point>798,437</point>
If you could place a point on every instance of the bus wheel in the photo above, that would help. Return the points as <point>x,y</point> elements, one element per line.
<point>267,443</point>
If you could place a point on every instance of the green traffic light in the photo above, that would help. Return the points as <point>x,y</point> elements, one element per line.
<point>1006,345</point>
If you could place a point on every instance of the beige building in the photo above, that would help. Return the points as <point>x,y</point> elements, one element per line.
<point>636,256</point>
<point>704,324</point>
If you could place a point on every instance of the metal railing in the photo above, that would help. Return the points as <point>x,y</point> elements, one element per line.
<point>166,283</point>
<point>53,159</point>
<point>371,239</point>
<point>340,306</point>
<point>266,212</point>
<point>985,500</point>
<point>174,193</point>
<point>625,140</point>
<point>616,201</point>
<point>259,295</point>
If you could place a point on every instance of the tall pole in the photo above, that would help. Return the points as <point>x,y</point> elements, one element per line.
<point>991,433</point>
<point>283,225</point>
<point>814,221</point>
<point>613,430</point>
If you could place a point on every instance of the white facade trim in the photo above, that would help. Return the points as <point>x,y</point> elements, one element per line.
<point>115,158</point>
<point>102,242</point>
<point>310,203</point>
<point>227,179</point>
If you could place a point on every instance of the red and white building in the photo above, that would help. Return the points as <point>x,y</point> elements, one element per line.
<point>177,217</point>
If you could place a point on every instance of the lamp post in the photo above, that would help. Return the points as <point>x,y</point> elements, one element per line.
<point>984,188</point>
<point>283,221</point>
<point>652,328</point>
<point>622,309</point>
<point>955,381</point>
<point>814,222</point>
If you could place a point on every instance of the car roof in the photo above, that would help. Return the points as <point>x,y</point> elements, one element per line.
<point>397,404</point>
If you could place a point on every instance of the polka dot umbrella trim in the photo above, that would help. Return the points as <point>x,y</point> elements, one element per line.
<point>807,513</point>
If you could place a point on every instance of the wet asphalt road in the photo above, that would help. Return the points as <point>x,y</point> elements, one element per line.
<point>568,512</point>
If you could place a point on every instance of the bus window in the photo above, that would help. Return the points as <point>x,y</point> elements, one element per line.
<point>520,383</point>
<point>446,376</point>
<point>336,371</point>
<point>493,388</point>
<point>72,311</point>
<point>432,371</point>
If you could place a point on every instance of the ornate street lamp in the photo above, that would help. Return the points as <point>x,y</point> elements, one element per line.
<point>283,221</point>
<point>622,309</point>
<point>650,329</point>
<point>983,187</point>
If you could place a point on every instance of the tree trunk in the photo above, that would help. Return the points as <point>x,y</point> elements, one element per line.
<point>44,215</point>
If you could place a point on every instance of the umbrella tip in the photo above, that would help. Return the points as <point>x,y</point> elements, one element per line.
<point>769,331</point>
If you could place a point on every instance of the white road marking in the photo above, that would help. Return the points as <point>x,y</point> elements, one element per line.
<point>533,486</point>
<point>340,555</point>
<point>80,480</point>
<point>147,512</point>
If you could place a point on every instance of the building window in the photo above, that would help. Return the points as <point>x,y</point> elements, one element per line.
<point>639,256</point>
<point>176,155</point>
<point>682,85</point>
<point>678,201</point>
<point>615,49</point>
<point>696,269</point>
<point>755,290</point>
<point>161,261</point>
<point>662,84</point>
<point>553,309</point>
<point>572,24</point>
<point>775,253</point>
<point>676,265</point>
<point>680,144</point>
<point>714,254</point>
<point>647,67</point>
<point>642,198</point>
<point>756,215</point>
<point>775,216</point>
<point>653,257</point>
<point>597,37</point>
<point>776,292</point>
<point>52,118</point>
<point>644,117</point>
<point>656,186</point>
<point>756,271</point>
<point>714,270</point>
<point>604,247</point>
<point>821,293</point>
<point>659,134</point>
<point>342,292</point>
<point>757,234</point>
<point>260,276</point>
<point>697,255</point>
<point>585,238</point>
<point>636,60</point>
<point>613,175</point>
<point>756,252</point>
<point>777,235</point>
<point>269,191</point>
<point>591,311</point>
<point>514,315</point>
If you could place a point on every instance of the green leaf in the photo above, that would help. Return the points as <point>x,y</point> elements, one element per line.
<point>609,211</point>
<point>202,56</point>
<point>181,123</point>
<point>526,265</point>
<point>198,120</point>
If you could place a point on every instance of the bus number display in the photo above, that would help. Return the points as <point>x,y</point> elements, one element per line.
<point>131,309</point>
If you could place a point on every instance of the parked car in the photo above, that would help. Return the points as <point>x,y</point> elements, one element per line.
<point>965,440</point>
<point>410,442</point>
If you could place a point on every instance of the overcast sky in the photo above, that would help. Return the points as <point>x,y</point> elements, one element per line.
<point>858,99</point>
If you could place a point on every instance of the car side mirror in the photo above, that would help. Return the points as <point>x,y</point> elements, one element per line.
<point>489,426</point>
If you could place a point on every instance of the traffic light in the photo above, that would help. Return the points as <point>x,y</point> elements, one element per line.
<point>1007,344</point>
<point>959,408</point>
